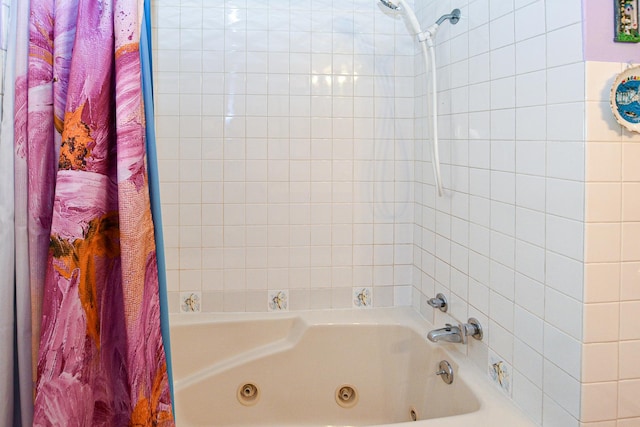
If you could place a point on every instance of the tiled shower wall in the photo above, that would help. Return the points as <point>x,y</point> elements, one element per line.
<point>287,148</point>
<point>611,341</point>
<point>506,243</point>
<point>285,135</point>
<point>515,243</point>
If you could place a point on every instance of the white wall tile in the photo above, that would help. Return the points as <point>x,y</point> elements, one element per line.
<point>565,275</point>
<point>531,54</point>
<point>530,21</point>
<point>628,405</point>
<point>530,226</point>
<point>501,310</point>
<point>566,83</point>
<point>530,124</point>
<point>565,237</point>
<point>602,242</point>
<point>630,158</point>
<point>601,125</point>
<point>603,202</point>
<point>562,350</point>
<point>564,45</point>
<point>565,198</point>
<point>531,326</point>
<point>628,317</point>
<point>593,356</point>
<point>564,313</point>
<point>557,117</point>
<point>629,356</point>
<point>501,341</point>
<point>562,14</point>
<point>531,89</point>
<point>563,389</point>
<point>530,260</point>
<point>530,192</point>
<point>630,236</point>
<point>530,295</point>
<point>630,281</point>
<point>515,127</point>
<point>629,422</point>
<point>554,415</point>
<point>528,397</point>
<point>603,162</point>
<point>599,401</point>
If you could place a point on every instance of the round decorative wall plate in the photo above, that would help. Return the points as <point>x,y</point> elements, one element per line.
<point>625,99</point>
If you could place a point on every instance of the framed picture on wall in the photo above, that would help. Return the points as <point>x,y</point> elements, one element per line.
<point>626,21</point>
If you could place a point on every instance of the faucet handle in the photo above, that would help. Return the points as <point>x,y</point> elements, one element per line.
<point>473,329</point>
<point>439,302</point>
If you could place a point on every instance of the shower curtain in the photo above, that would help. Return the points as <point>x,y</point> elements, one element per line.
<point>88,304</point>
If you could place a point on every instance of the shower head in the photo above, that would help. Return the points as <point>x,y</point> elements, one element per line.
<point>390,4</point>
<point>401,5</point>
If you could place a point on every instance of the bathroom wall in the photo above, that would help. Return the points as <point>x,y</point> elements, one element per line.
<point>506,242</point>
<point>294,162</point>
<point>611,342</point>
<point>285,135</point>
<point>537,233</point>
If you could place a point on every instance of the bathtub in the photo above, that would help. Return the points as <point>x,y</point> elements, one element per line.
<point>326,368</point>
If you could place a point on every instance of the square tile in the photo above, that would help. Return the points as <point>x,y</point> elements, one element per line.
<point>631,201</point>
<point>603,202</point>
<point>599,401</point>
<point>628,403</point>
<point>278,300</point>
<point>602,242</point>
<point>363,297</point>
<point>603,162</point>
<point>190,302</point>
<point>601,322</point>
<point>629,318</point>
<point>630,162</point>
<point>601,282</point>
<point>629,357</point>
<point>630,239</point>
<point>630,281</point>
<point>599,362</point>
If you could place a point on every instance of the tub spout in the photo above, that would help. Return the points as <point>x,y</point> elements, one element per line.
<point>458,333</point>
<point>449,333</point>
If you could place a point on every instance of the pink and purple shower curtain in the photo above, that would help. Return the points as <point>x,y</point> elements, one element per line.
<point>82,186</point>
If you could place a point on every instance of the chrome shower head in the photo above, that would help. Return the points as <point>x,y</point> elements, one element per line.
<point>390,4</point>
<point>402,6</point>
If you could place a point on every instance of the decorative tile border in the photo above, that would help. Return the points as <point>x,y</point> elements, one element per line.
<point>278,300</point>
<point>190,302</point>
<point>362,297</point>
<point>500,372</point>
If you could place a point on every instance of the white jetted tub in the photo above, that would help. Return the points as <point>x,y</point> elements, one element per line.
<point>326,368</point>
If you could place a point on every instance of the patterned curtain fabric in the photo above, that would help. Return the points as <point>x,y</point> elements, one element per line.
<point>80,147</point>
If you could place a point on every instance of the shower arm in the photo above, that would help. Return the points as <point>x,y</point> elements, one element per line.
<point>430,32</point>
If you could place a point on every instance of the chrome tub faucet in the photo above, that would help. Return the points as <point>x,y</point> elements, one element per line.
<point>458,334</point>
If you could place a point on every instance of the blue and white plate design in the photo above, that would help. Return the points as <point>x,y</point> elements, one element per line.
<point>625,99</point>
